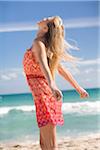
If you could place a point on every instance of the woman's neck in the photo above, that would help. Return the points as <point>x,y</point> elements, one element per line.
<point>40,37</point>
<point>40,34</point>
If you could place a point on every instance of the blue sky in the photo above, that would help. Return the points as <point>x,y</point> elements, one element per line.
<point>18,29</point>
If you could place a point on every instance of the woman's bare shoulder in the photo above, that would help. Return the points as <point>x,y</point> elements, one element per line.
<point>37,45</point>
<point>38,42</point>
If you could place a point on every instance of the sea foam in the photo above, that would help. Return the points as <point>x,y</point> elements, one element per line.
<point>82,108</point>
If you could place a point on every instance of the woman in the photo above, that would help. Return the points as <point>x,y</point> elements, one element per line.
<point>40,63</point>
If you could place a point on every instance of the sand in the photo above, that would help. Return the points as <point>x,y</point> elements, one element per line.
<point>86,142</point>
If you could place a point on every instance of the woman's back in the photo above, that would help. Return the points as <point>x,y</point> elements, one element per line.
<point>31,65</point>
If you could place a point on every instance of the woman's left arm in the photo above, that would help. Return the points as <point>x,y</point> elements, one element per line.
<point>68,76</point>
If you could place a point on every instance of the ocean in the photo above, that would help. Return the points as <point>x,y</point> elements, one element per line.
<point>18,118</point>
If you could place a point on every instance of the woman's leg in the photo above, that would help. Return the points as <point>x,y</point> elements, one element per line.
<point>48,139</point>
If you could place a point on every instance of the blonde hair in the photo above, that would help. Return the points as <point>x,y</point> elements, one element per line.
<point>56,46</point>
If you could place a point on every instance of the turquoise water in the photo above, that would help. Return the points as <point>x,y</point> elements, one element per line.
<point>18,118</point>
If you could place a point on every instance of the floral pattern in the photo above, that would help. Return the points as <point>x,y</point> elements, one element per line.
<point>48,109</point>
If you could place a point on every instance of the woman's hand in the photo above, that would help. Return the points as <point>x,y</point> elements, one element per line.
<point>56,92</point>
<point>83,93</point>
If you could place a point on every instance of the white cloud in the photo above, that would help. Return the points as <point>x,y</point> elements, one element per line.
<point>90,62</point>
<point>14,27</point>
<point>82,23</point>
<point>5,77</point>
<point>87,71</point>
<point>13,75</point>
<point>9,74</point>
<point>88,80</point>
<point>86,65</point>
<point>30,26</point>
<point>98,69</point>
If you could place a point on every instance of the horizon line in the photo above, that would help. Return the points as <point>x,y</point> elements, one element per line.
<point>61,90</point>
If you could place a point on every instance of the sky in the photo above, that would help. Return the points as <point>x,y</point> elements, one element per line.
<point>18,29</point>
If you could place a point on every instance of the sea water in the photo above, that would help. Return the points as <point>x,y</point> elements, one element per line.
<point>18,117</point>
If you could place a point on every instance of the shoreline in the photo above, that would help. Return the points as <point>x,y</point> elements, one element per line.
<point>83,142</point>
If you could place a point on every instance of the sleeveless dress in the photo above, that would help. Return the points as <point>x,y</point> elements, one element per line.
<point>48,109</point>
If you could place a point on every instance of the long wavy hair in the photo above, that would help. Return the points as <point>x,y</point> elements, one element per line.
<point>57,48</point>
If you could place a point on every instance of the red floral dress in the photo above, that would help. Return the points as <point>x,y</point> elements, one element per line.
<point>48,109</point>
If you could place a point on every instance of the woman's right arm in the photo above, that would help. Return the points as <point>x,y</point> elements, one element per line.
<point>40,53</point>
<point>41,57</point>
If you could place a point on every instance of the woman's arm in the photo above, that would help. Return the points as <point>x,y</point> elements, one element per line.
<point>40,53</point>
<point>68,76</point>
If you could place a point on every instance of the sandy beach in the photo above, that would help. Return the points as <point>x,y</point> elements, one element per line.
<point>90,142</point>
